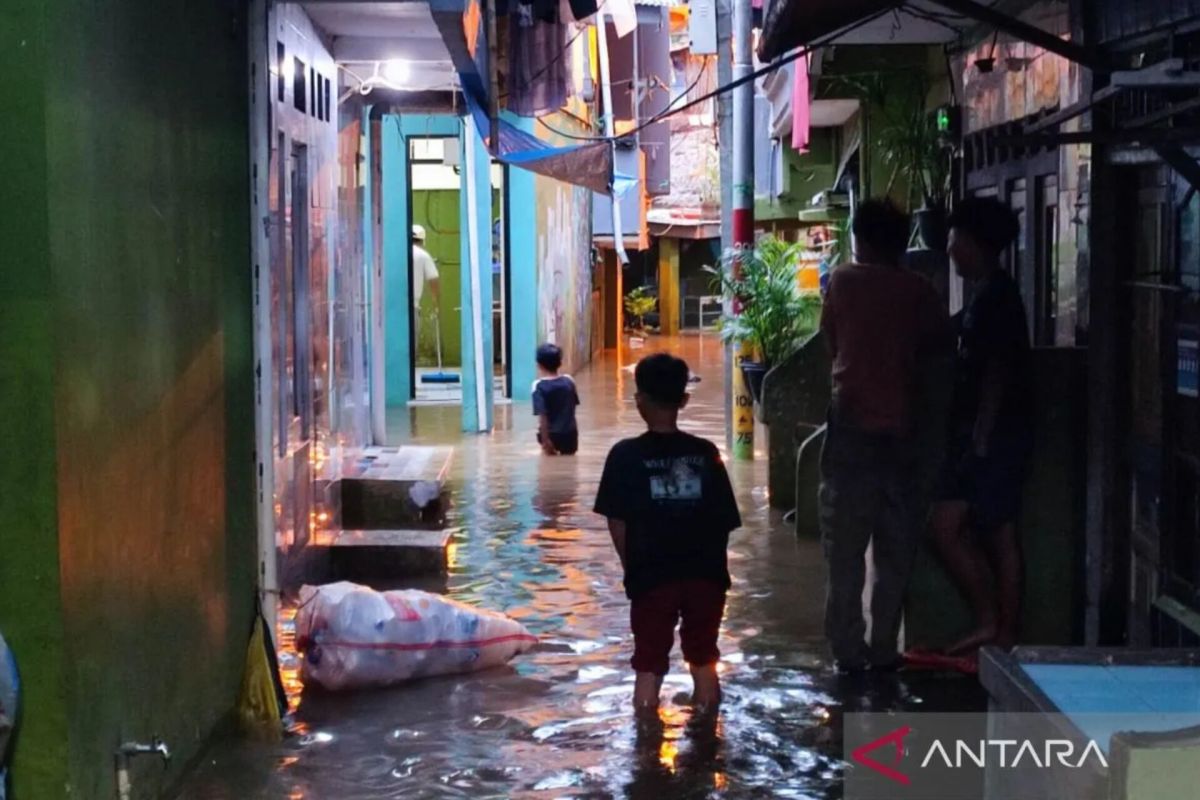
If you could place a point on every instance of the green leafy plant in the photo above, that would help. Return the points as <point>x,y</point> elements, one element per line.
<point>776,317</point>
<point>639,303</point>
<point>903,132</point>
<point>912,147</point>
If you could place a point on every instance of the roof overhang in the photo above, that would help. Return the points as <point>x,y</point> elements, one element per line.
<point>792,24</point>
<point>799,23</point>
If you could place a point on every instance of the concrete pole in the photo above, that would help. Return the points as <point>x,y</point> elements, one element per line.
<point>610,130</point>
<point>743,212</point>
<point>724,138</point>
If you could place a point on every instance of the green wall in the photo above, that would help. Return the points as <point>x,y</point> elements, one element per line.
<point>30,617</point>
<point>804,175</point>
<point>885,80</point>
<point>143,397</point>
<point>437,211</point>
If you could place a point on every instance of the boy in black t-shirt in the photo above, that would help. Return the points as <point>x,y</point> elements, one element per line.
<point>670,510</point>
<point>975,519</point>
<point>554,402</point>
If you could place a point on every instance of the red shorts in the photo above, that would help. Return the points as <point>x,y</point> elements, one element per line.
<point>654,614</point>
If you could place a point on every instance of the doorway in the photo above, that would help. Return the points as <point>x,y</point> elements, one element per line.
<point>435,210</point>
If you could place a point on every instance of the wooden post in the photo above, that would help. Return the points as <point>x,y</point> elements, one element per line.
<point>614,301</point>
<point>668,286</point>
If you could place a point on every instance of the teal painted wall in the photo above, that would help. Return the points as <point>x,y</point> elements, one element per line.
<point>30,612</point>
<point>476,416</point>
<point>396,290</point>
<point>523,286</point>
<point>127,322</point>
<point>397,234</point>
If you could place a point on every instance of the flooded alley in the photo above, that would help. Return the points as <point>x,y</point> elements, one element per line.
<point>557,722</point>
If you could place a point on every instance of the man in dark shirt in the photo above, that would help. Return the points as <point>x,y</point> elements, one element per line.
<point>554,402</point>
<point>991,435</point>
<point>670,510</point>
<point>879,320</point>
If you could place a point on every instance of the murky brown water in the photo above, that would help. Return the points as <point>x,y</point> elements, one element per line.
<point>556,723</point>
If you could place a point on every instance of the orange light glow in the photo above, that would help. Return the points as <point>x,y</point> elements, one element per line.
<point>668,751</point>
<point>719,781</point>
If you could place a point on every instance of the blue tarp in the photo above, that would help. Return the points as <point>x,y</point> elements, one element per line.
<point>589,164</point>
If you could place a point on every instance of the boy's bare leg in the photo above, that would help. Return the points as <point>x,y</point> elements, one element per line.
<point>645,691</point>
<point>1006,551</point>
<point>707,692</point>
<point>968,569</point>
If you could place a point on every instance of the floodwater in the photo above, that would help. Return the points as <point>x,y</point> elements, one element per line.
<point>557,722</point>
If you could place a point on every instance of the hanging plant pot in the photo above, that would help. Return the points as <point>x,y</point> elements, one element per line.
<point>753,373</point>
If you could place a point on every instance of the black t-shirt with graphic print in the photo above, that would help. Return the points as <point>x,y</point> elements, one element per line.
<point>673,494</point>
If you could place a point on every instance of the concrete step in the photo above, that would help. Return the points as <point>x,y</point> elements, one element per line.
<point>371,556</point>
<point>396,488</point>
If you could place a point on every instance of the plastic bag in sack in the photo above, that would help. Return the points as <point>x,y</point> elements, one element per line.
<point>10,686</point>
<point>355,637</point>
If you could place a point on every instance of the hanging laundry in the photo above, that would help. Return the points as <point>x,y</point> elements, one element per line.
<point>576,10</point>
<point>801,105</point>
<point>539,77</point>
<point>624,16</point>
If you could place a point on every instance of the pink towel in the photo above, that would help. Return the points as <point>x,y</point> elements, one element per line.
<point>800,104</point>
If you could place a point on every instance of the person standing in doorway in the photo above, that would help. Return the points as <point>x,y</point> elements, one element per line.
<point>991,436</point>
<point>878,320</point>
<point>424,273</point>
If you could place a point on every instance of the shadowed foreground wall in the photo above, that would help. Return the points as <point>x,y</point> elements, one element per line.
<point>136,303</point>
<point>29,598</point>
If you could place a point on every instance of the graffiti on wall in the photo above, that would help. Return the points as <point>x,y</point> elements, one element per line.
<point>564,276</point>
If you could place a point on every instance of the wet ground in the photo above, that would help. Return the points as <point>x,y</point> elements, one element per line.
<point>556,723</point>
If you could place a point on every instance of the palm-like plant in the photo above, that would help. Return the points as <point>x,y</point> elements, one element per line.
<point>775,317</point>
<point>638,303</point>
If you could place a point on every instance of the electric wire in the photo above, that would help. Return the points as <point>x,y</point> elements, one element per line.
<point>566,47</point>
<point>780,61</point>
<point>683,95</point>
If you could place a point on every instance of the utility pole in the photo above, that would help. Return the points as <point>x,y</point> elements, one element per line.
<point>725,181</point>
<point>743,214</point>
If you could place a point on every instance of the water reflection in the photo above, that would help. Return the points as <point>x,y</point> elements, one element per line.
<point>557,722</point>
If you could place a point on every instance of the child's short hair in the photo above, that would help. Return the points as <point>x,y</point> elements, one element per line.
<point>549,357</point>
<point>662,379</point>
<point>989,221</point>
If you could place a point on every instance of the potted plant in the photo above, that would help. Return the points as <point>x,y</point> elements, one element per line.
<point>638,303</point>
<point>909,142</point>
<point>775,316</point>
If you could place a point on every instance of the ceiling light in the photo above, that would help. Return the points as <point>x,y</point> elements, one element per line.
<point>395,71</point>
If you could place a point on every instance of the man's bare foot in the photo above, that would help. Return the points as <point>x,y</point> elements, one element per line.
<point>707,694</point>
<point>983,635</point>
<point>645,692</point>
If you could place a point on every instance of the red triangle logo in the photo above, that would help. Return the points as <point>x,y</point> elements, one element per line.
<point>895,738</point>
